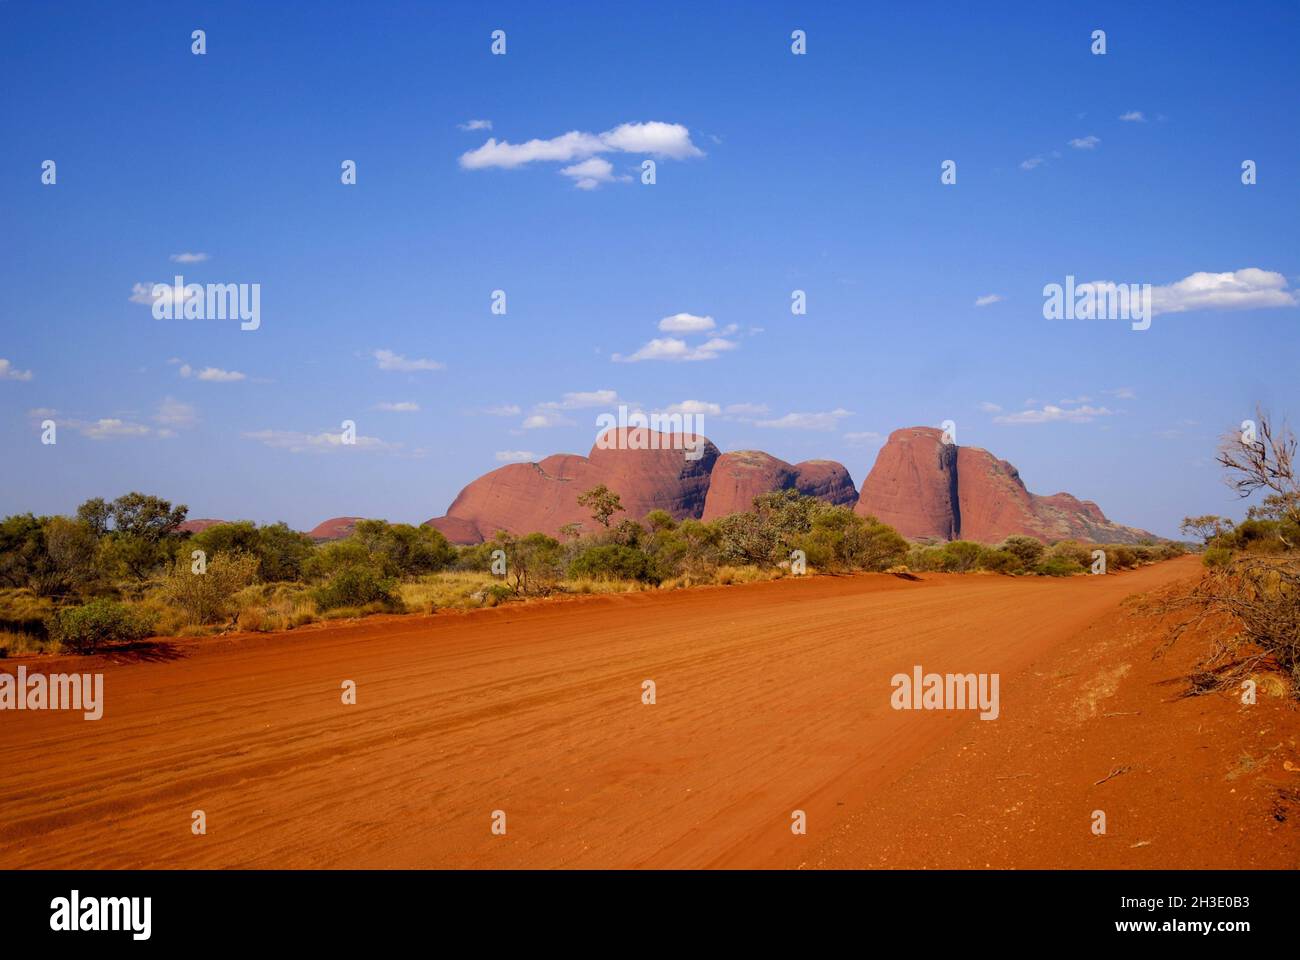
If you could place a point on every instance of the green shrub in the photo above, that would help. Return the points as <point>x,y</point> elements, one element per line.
<point>85,628</point>
<point>357,586</point>
<point>960,556</point>
<point>1120,558</point>
<point>1001,561</point>
<point>1071,550</point>
<point>1217,557</point>
<point>613,562</point>
<point>1058,567</point>
<point>207,597</point>
<point>1028,549</point>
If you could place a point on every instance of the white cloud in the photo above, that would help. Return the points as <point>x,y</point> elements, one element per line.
<point>1085,143</point>
<point>516,456</point>
<point>591,173</point>
<point>1050,413</point>
<point>987,299</point>
<point>1134,116</point>
<point>326,442</point>
<point>665,140</point>
<point>211,374</point>
<point>388,360</point>
<point>742,410</point>
<point>694,408</point>
<point>673,349</point>
<point>538,421</point>
<point>402,406</point>
<point>189,257</point>
<point>1248,289</point>
<point>863,438</point>
<point>582,400</point>
<point>807,421</point>
<point>987,407</point>
<point>9,372</point>
<point>686,323</point>
<point>476,125</point>
<point>1030,163</point>
<point>1121,393</point>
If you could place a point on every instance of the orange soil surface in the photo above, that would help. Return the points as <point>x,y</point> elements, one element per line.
<point>771,697</point>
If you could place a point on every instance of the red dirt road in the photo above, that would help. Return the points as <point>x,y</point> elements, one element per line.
<point>771,697</point>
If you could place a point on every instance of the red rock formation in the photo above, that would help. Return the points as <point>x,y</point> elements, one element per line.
<point>913,486</point>
<point>740,476</point>
<point>337,528</point>
<point>930,490</point>
<point>198,526</point>
<point>647,469</point>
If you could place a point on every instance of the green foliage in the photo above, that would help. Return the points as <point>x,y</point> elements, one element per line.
<point>402,550</point>
<point>1058,566</point>
<point>207,597</point>
<point>1029,550</point>
<point>85,628</point>
<point>840,540</point>
<point>357,586</point>
<point>614,561</point>
<point>657,520</point>
<point>1217,557</point>
<point>1072,551</point>
<point>602,502</point>
<point>1001,561</point>
<point>533,562</point>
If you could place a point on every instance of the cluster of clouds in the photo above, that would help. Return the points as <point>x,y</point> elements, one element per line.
<point>715,341</point>
<point>166,422</point>
<point>1080,409</point>
<point>9,372</point>
<point>206,374</point>
<point>581,152</point>
<point>1250,288</point>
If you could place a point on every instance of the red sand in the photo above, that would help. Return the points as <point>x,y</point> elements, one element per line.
<point>771,697</point>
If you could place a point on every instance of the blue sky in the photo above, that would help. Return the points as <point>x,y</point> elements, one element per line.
<point>775,172</point>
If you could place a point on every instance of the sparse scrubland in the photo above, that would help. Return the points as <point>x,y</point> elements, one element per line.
<point>1246,608</point>
<point>121,571</point>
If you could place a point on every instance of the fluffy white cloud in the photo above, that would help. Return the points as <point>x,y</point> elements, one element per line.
<point>807,421</point>
<point>476,125</point>
<point>591,173</point>
<point>9,372</point>
<point>1030,163</point>
<point>694,408</point>
<point>987,299</point>
<point>669,140</point>
<point>1134,116</point>
<point>1050,413</point>
<point>388,360</point>
<point>402,406</point>
<point>686,323</point>
<point>189,257</point>
<point>1248,289</point>
<point>516,456</point>
<point>673,349</point>
<point>1085,143</point>
<point>987,407</point>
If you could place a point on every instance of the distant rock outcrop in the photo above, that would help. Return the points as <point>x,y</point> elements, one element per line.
<point>198,526</point>
<point>337,528</point>
<point>742,475</point>
<point>648,470</point>
<point>921,486</point>
<point>930,490</point>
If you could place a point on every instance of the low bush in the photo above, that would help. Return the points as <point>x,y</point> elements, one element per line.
<point>357,586</point>
<point>86,628</point>
<point>1058,567</point>
<point>613,562</point>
